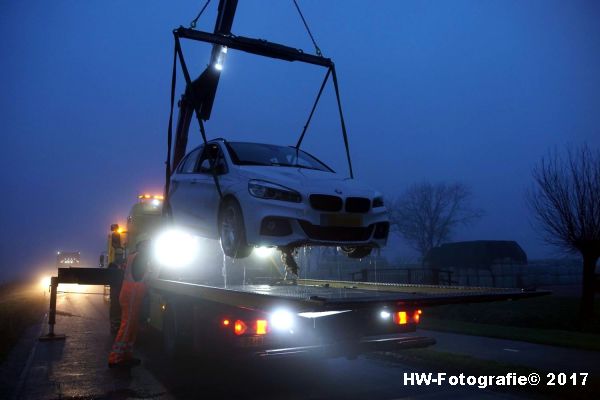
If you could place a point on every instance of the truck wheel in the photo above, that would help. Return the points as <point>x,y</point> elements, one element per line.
<point>174,344</point>
<point>232,231</point>
<point>357,252</point>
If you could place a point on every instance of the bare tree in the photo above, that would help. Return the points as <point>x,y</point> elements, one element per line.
<point>426,214</point>
<point>565,200</point>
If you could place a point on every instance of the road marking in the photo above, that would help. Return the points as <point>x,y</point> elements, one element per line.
<point>25,371</point>
<point>512,350</point>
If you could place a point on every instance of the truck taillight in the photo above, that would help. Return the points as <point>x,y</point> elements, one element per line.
<point>400,318</point>
<point>239,328</point>
<point>417,316</point>
<point>226,322</point>
<point>261,326</point>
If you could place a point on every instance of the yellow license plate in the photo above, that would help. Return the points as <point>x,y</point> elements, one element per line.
<point>344,220</point>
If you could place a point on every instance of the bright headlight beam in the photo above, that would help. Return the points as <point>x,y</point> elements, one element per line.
<point>45,282</point>
<point>282,320</point>
<point>175,248</point>
<point>263,251</point>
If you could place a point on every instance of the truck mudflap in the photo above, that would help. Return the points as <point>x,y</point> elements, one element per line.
<point>349,349</point>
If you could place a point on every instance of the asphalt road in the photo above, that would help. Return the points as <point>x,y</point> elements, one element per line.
<point>76,368</point>
<point>539,356</point>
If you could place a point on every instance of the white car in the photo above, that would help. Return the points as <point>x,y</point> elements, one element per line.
<point>274,196</point>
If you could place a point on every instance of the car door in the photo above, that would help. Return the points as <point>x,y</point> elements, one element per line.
<point>181,186</point>
<point>204,192</point>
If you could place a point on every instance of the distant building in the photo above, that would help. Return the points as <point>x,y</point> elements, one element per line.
<point>480,254</point>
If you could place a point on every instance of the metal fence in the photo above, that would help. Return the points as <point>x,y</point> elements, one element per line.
<point>425,276</point>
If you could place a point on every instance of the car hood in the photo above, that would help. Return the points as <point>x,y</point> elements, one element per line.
<point>308,180</point>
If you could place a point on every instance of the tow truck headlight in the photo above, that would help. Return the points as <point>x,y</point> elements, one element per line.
<point>282,320</point>
<point>272,191</point>
<point>175,248</point>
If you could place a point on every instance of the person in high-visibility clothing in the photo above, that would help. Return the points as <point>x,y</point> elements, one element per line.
<point>130,299</point>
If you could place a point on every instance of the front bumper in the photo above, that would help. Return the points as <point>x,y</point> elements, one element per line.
<point>307,226</point>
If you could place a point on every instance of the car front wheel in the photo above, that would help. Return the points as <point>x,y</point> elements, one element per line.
<point>232,231</point>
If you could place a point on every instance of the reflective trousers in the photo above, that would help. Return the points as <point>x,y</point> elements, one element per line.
<point>131,297</point>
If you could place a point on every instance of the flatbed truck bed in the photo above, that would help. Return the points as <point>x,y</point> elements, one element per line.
<point>308,294</point>
<point>283,318</point>
<point>328,318</point>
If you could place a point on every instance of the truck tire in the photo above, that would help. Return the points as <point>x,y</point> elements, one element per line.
<point>175,344</point>
<point>357,252</point>
<point>232,231</point>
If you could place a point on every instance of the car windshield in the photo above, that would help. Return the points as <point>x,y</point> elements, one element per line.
<point>243,153</point>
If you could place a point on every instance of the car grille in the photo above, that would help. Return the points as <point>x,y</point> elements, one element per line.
<point>325,202</point>
<point>336,233</point>
<point>358,205</point>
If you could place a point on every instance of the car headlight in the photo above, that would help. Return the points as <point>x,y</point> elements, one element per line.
<point>272,191</point>
<point>378,202</point>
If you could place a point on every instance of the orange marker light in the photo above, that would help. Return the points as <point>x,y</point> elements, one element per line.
<point>239,328</point>
<point>261,326</point>
<point>417,316</point>
<point>226,322</point>
<point>400,318</point>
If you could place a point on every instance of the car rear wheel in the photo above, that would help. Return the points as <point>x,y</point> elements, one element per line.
<point>357,252</point>
<point>232,231</point>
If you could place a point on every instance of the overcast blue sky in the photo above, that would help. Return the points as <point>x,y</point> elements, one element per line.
<point>466,91</point>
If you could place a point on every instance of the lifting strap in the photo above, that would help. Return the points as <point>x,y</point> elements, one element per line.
<point>344,133</point>
<point>178,54</point>
<point>317,49</point>
<point>330,71</point>
<point>166,210</point>
<point>312,111</point>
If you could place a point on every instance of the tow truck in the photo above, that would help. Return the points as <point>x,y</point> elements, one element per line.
<point>263,314</point>
<point>209,307</point>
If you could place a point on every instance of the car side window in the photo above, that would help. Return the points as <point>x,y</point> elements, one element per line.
<point>212,154</point>
<point>189,164</point>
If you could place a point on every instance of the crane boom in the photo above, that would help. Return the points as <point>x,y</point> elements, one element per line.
<point>200,94</point>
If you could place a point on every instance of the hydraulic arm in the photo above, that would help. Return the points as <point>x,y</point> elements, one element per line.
<point>200,94</point>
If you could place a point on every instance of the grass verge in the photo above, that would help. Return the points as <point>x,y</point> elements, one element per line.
<point>553,337</point>
<point>551,320</point>
<point>21,305</point>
